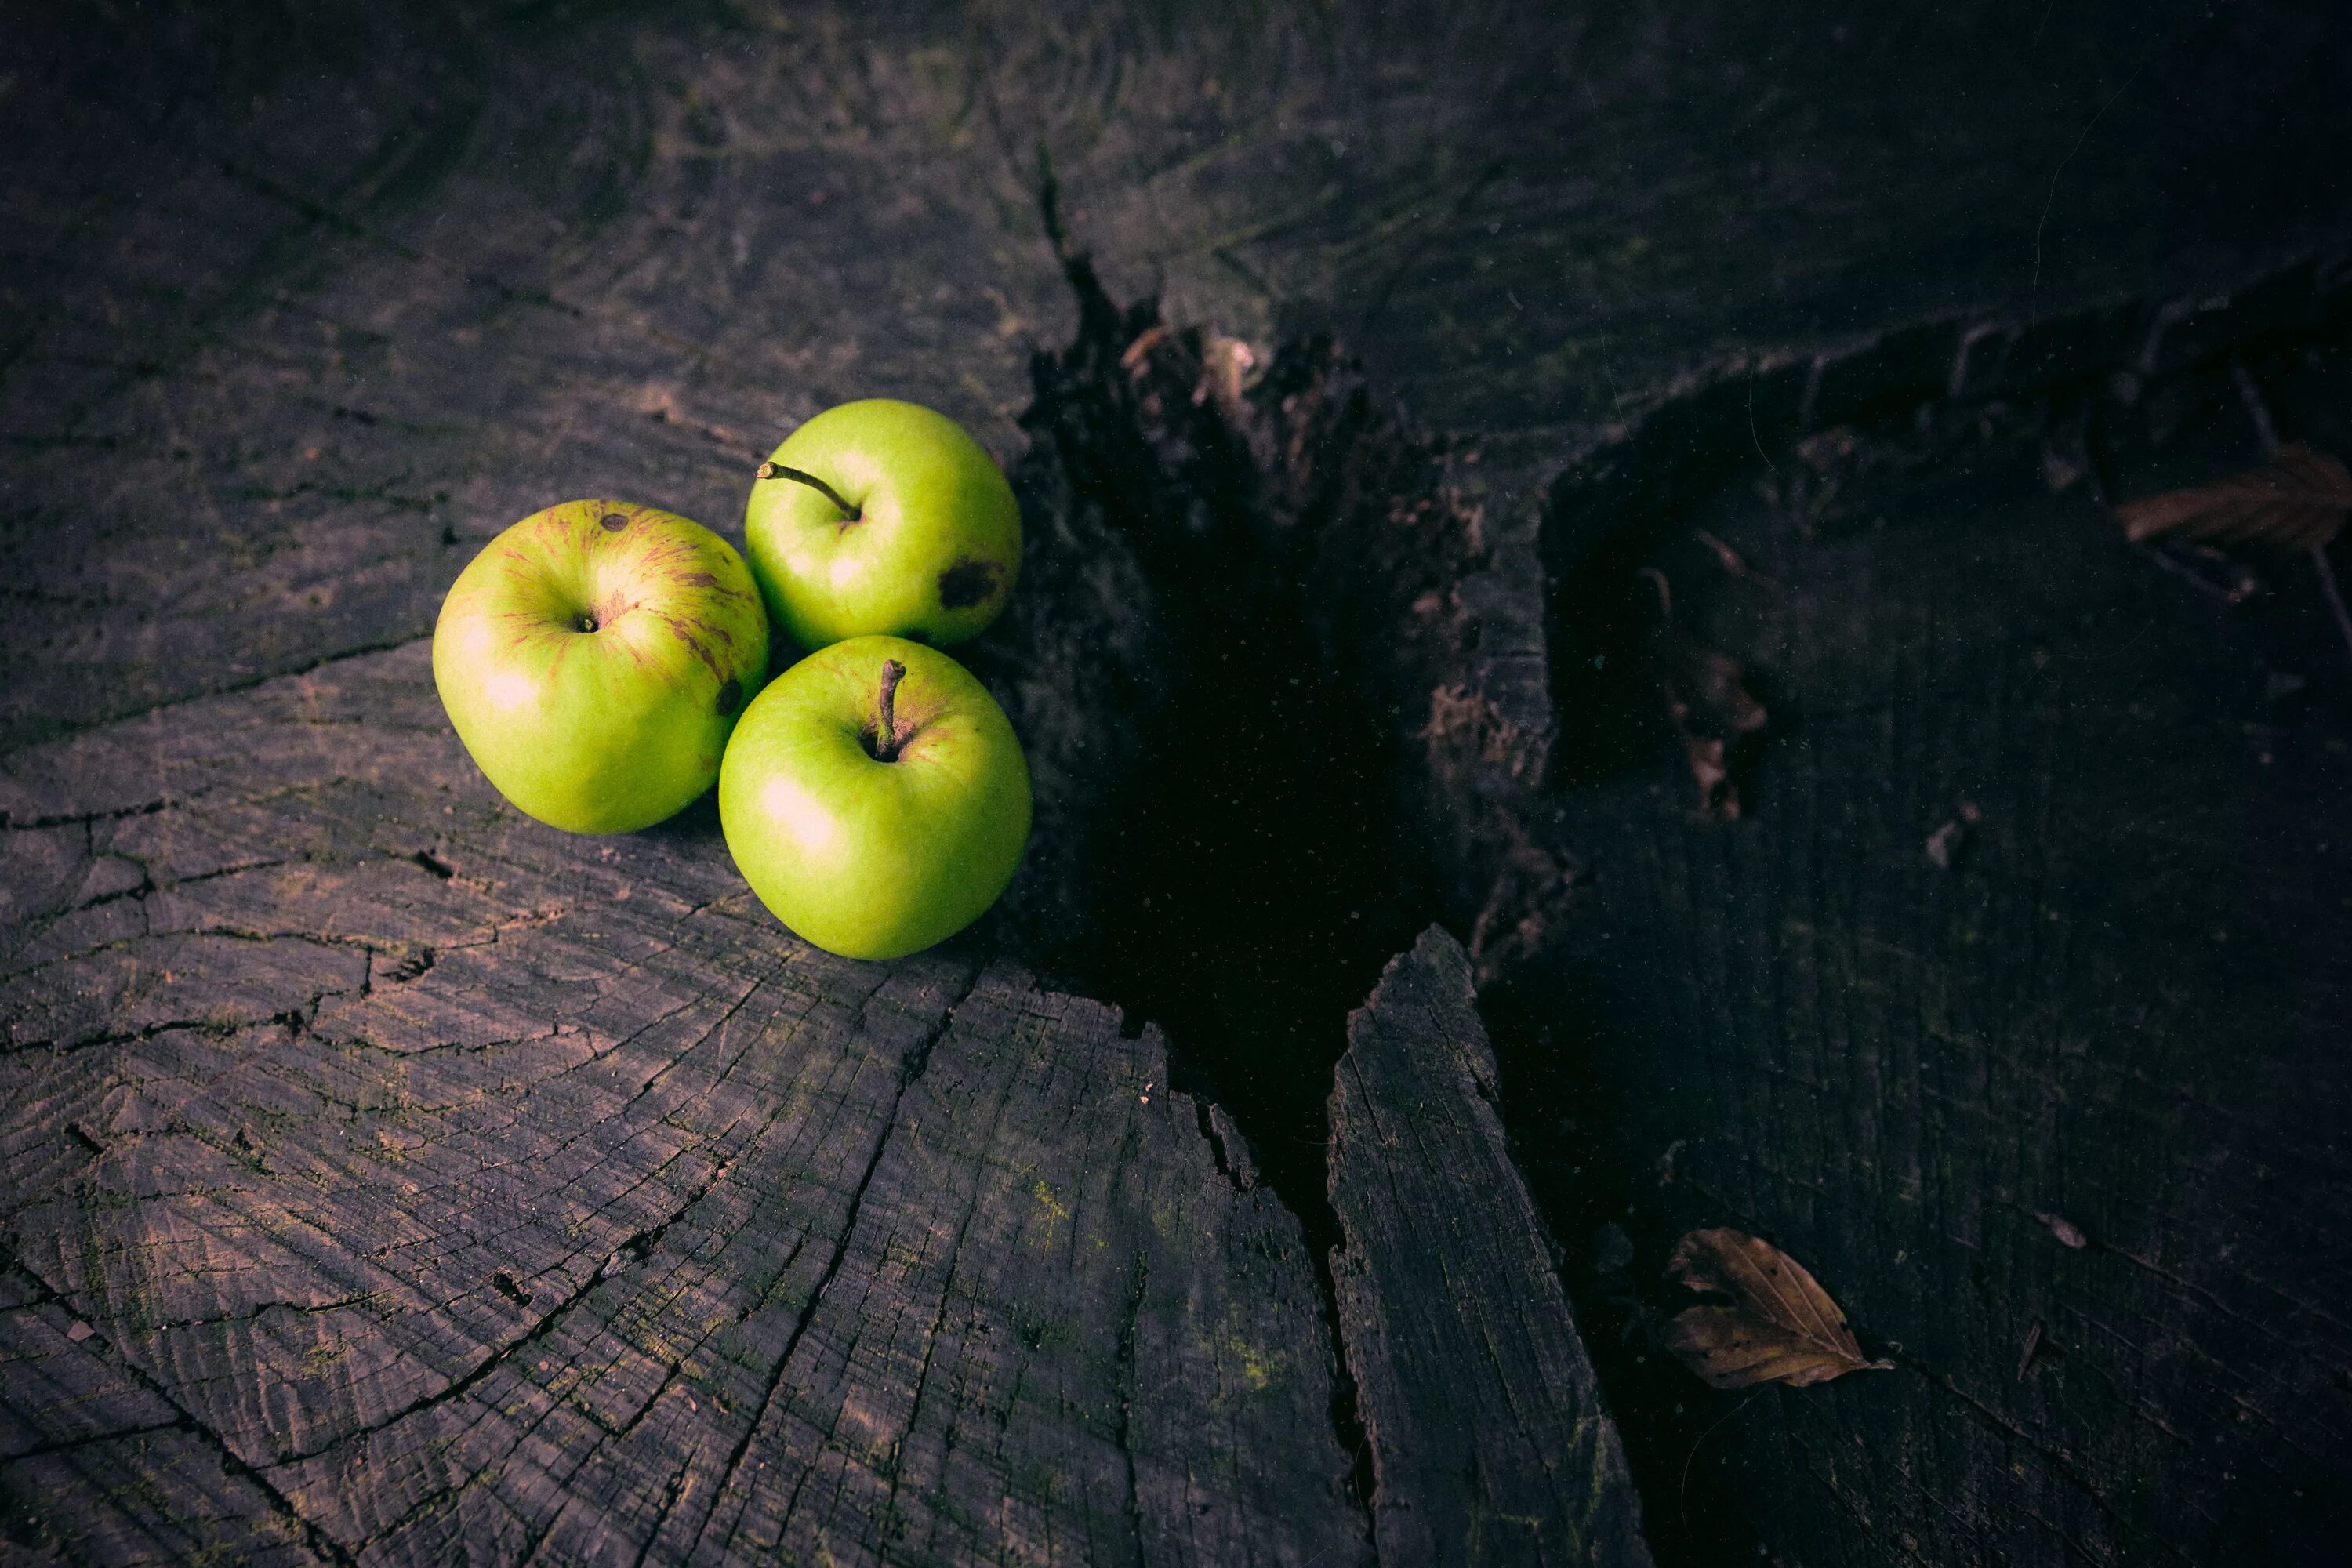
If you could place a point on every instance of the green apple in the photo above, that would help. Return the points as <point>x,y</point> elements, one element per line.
<point>874,798</point>
<point>594,658</point>
<point>882,518</point>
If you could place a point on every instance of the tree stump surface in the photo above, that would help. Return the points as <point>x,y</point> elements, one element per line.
<point>521,1194</point>
<point>390,1179</point>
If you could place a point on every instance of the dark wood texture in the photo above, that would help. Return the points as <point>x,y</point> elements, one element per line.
<point>464,1189</point>
<point>1684,1051</point>
<point>433,1187</point>
<point>1484,1413</point>
<point>2013,1005</point>
<point>303,291</point>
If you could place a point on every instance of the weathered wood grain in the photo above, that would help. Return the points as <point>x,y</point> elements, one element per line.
<point>2121,1003</point>
<point>312,300</point>
<point>302,303</point>
<point>287,356</point>
<point>1488,1438</point>
<point>478,1192</point>
<point>581,1215</point>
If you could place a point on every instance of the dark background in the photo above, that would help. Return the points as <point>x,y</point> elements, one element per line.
<point>1518,215</point>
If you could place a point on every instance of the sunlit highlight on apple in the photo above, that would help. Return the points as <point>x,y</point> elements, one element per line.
<point>509,689</point>
<point>803,816</point>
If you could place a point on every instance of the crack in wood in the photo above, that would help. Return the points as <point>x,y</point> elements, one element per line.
<point>231,1462</point>
<point>1125,1362</point>
<point>910,1070</point>
<point>631,1250</point>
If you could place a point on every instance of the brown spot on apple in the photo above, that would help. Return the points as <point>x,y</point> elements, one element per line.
<point>612,522</point>
<point>969,583</point>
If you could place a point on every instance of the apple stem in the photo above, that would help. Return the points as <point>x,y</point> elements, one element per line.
<point>885,715</point>
<point>801,475</point>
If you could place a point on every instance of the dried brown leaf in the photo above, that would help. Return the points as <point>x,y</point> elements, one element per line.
<point>2068,1233</point>
<point>1731,560</point>
<point>1707,703</point>
<point>1781,1327</point>
<point>1141,348</point>
<point>1225,366</point>
<point>2299,501</point>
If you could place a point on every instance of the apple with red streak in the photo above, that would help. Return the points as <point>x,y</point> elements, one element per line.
<point>593,659</point>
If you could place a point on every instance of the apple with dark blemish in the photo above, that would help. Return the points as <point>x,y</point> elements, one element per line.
<point>594,658</point>
<point>882,518</point>
<point>875,799</point>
